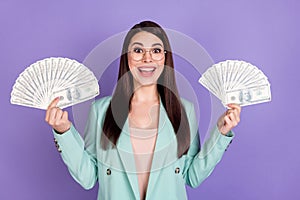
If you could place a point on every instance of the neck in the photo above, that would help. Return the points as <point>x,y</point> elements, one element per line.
<point>146,93</point>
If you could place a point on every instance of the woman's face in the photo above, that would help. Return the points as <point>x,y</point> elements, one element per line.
<point>146,58</point>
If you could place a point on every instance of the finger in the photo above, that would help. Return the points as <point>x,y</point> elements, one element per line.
<point>228,124</point>
<point>237,115</point>
<point>47,117</point>
<point>51,105</point>
<point>236,109</point>
<point>233,119</point>
<point>58,116</point>
<point>54,102</point>
<point>65,116</point>
<point>52,116</point>
<point>235,106</point>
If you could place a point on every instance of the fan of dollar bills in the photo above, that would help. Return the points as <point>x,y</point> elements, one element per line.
<point>239,82</point>
<point>46,79</point>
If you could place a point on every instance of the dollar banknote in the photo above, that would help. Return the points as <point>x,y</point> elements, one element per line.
<point>234,81</point>
<point>76,94</point>
<point>249,96</point>
<point>49,78</point>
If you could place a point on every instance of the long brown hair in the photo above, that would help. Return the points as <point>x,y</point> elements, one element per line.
<point>120,104</point>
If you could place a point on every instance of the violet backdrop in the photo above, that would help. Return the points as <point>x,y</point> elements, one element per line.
<point>263,162</point>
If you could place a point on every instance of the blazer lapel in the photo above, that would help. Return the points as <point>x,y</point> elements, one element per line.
<point>126,154</point>
<point>165,149</point>
<point>164,154</point>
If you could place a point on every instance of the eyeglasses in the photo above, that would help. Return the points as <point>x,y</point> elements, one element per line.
<point>156,53</point>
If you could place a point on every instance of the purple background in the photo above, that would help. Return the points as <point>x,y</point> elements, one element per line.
<point>263,162</point>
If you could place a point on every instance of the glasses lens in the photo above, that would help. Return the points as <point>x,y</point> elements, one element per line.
<point>137,54</point>
<point>157,54</point>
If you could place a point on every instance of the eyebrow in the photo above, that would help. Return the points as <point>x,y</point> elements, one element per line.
<point>141,44</point>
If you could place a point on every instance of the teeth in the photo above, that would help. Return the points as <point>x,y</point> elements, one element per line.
<point>148,69</point>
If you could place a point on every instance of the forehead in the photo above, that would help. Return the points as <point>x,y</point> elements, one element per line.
<point>146,39</point>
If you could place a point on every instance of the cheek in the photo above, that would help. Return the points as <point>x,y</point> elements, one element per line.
<point>161,64</point>
<point>131,63</point>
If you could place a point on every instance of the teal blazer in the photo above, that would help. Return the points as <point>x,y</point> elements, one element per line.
<point>114,168</point>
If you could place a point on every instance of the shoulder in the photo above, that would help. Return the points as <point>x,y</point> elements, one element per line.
<point>188,105</point>
<point>104,101</point>
<point>101,104</point>
<point>190,111</point>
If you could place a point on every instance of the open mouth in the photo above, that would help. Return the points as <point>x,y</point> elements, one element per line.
<point>146,71</point>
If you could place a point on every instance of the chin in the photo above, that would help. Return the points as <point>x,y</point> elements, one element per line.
<point>145,82</point>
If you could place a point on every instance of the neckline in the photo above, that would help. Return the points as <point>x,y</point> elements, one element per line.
<point>140,133</point>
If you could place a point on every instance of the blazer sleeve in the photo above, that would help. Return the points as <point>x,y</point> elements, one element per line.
<point>80,160</point>
<point>199,164</point>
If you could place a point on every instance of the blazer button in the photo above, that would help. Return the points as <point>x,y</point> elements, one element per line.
<point>177,170</point>
<point>57,146</point>
<point>108,172</point>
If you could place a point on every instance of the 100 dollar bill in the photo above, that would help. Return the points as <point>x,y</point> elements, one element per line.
<point>76,94</point>
<point>249,96</point>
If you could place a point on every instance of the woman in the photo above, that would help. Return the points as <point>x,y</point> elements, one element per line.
<point>142,143</point>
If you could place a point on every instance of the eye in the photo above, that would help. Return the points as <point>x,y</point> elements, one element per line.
<point>137,50</point>
<point>156,50</point>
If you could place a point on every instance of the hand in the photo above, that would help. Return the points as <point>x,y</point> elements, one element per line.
<point>57,118</point>
<point>229,119</point>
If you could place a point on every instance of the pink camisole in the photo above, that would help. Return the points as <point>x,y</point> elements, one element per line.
<point>143,145</point>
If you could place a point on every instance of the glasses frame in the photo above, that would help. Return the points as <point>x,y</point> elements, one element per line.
<point>150,52</point>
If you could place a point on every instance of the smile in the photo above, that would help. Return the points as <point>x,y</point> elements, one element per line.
<point>146,71</point>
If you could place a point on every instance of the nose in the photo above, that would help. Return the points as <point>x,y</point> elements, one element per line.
<point>147,56</point>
